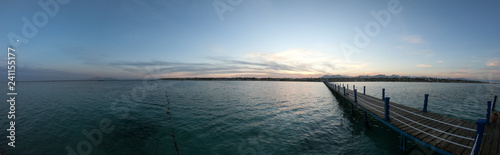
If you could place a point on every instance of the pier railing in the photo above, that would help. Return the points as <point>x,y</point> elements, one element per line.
<point>441,133</point>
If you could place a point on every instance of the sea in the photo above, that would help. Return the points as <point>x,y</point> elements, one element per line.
<point>218,117</point>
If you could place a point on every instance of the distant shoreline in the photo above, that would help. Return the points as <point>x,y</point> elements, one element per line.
<point>426,80</point>
<point>431,80</point>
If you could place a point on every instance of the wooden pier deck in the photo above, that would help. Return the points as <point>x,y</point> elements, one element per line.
<point>446,135</point>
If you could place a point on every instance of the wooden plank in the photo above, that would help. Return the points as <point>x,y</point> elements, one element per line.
<point>470,134</point>
<point>454,148</point>
<point>491,140</point>
<point>443,144</point>
<point>446,128</point>
<point>496,140</point>
<point>486,142</point>
<point>463,141</point>
<point>454,130</point>
<point>416,133</point>
<point>428,138</point>
<point>435,125</point>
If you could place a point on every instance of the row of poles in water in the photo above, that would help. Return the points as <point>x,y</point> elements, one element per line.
<point>172,126</point>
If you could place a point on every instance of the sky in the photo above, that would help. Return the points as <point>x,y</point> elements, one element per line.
<point>133,39</point>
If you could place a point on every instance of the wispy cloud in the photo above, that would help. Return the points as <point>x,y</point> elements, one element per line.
<point>440,61</point>
<point>289,63</point>
<point>459,73</point>
<point>424,65</point>
<point>493,62</point>
<point>413,39</point>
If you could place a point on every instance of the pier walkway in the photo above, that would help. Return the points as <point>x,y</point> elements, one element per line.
<point>446,135</point>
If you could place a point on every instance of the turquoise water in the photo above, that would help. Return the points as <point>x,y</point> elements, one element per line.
<point>209,117</point>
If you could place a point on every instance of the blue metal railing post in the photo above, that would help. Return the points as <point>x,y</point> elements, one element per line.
<point>383,93</point>
<point>355,96</point>
<point>479,135</point>
<point>364,90</point>
<point>386,107</point>
<point>488,113</point>
<point>425,102</point>
<point>344,91</point>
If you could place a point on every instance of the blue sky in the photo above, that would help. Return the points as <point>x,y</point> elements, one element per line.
<point>127,39</point>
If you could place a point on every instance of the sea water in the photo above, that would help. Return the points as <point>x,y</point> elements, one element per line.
<point>217,117</point>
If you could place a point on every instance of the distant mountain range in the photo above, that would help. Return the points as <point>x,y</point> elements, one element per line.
<point>382,77</point>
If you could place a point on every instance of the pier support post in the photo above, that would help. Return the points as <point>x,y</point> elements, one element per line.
<point>386,107</point>
<point>383,93</point>
<point>347,86</point>
<point>494,103</point>
<point>364,90</point>
<point>352,109</point>
<point>479,135</point>
<point>403,143</point>
<point>425,102</point>
<point>344,91</point>
<point>353,87</point>
<point>366,118</point>
<point>488,113</point>
<point>355,96</point>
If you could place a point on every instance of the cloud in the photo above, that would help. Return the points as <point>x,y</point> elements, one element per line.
<point>424,65</point>
<point>493,62</point>
<point>289,63</point>
<point>459,73</point>
<point>413,39</point>
<point>440,61</point>
<point>295,60</point>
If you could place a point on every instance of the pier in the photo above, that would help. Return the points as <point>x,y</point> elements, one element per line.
<point>443,134</point>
